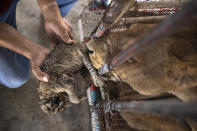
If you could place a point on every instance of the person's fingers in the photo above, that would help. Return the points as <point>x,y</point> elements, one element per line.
<point>40,75</point>
<point>68,28</point>
<point>59,33</point>
<point>66,38</point>
<point>52,33</point>
<point>70,35</point>
<point>70,41</point>
<point>67,23</point>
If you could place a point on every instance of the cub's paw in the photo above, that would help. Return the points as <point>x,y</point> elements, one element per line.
<point>97,81</point>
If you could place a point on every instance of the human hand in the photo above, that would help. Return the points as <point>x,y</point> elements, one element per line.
<point>59,30</point>
<point>37,59</point>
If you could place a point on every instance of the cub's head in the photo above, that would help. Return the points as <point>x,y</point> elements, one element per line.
<point>61,92</point>
<point>53,103</point>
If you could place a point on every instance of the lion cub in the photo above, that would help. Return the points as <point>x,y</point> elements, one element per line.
<point>63,65</point>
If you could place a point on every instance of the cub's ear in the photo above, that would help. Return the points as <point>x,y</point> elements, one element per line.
<point>69,104</point>
<point>73,98</point>
<point>90,44</point>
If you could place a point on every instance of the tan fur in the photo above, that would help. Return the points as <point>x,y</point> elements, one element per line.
<point>152,122</point>
<point>192,123</point>
<point>63,65</point>
<point>166,67</point>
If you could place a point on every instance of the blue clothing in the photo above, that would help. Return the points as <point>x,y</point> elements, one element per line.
<point>14,68</point>
<point>9,16</point>
<point>65,6</point>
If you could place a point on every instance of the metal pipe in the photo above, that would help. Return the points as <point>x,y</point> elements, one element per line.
<point>151,4</point>
<point>167,27</point>
<point>93,94</point>
<point>113,14</point>
<point>146,19</point>
<point>170,107</point>
<point>118,30</point>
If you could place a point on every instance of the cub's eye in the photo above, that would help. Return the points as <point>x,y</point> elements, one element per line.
<point>91,52</point>
<point>104,75</point>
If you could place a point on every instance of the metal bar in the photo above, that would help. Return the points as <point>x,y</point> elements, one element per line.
<point>113,14</point>
<point>167,27</point>
<point>146,19</point>
<point>94,97</point>
<point>118,30</point>
<point>144,4</point>
<point>169,107</point>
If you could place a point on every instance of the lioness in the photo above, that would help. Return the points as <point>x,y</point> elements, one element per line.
<point>167,67</point>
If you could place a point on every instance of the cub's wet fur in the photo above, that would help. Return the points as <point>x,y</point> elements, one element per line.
<point>63,65</point>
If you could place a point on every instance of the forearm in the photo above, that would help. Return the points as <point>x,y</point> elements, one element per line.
<point>13,40</point>
<point>50,9</point>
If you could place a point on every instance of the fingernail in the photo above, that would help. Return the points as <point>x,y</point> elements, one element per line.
<point>72,41</point>
<point>45,79</point>
<point>69,41</point>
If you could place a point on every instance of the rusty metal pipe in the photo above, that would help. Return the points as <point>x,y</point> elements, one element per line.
<point>167,27</point>
<point>147,19</point>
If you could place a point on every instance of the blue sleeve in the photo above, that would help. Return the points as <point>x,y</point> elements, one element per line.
<point>65,6</point>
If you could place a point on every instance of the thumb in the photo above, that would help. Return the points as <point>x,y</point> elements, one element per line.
<point>40,75</point>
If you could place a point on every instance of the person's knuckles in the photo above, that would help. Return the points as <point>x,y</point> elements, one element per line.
<point>65,29</point>
<point>67,23</point>
<point>70,35</point>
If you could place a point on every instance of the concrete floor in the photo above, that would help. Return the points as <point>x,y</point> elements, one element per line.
<point>20,110</point>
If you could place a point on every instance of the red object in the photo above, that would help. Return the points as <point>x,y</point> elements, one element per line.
<point>92,87</point>
<point>86,39</point>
